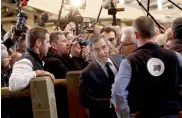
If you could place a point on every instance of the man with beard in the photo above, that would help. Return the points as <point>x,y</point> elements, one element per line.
<point>30,64</point>
<point>28,67</point>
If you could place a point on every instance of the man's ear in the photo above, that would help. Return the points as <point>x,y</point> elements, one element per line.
<point>53,45</point>
<point>136,36</point>
<point>172,36</point>
<point>38,43</point>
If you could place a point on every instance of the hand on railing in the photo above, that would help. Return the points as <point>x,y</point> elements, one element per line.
<point>40,73</point>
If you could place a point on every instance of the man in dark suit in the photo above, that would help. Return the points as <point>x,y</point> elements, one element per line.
<point>96,80</point>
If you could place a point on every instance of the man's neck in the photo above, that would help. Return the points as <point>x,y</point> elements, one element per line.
<point>141,42</point>
<point>56,52</point>
<point>36,50</point>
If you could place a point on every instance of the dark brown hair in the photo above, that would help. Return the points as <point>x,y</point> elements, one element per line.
<point>34,34</point>
<point>108,30</point>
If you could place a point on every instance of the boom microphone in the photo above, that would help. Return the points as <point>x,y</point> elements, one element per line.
<point>43,19</point>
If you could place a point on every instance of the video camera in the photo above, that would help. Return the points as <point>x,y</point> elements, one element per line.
<point>112,10</point>
<point>20,28</point>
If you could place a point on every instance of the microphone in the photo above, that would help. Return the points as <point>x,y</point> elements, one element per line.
<point>43,19</point>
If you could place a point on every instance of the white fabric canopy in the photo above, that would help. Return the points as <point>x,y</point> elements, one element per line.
<point>93,7</point>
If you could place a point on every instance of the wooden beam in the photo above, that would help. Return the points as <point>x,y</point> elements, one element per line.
<point>5,93</point>
<point>14,6</point>
<point>7,13</point>
<point>43,98</point>
<point>76,110</point>
<point>9,19</point>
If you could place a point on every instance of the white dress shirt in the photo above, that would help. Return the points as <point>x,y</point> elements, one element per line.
<point>21,75</point>
<point>111,65</point>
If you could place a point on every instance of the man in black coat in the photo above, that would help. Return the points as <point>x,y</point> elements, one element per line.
<point>58,61</point>
<point>96,80</point>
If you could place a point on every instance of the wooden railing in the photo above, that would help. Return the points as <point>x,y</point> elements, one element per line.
<point>43,100</point>
<point>76,110</point>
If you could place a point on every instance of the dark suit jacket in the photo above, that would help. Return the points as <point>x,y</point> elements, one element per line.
<point>95,85</point>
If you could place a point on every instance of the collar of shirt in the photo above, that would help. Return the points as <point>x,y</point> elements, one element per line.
<point>103,64</point>
<point>111,65</point>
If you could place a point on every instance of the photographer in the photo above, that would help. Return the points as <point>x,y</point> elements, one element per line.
<point>58,61</point>
<point>79,49</point>
<point>16,32</point>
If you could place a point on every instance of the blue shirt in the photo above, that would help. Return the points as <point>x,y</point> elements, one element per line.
<point>119,91</point>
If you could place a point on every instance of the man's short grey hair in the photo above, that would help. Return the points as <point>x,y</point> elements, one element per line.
<point>3,49</point>
<point>95,38</point>
<point>128,29</point>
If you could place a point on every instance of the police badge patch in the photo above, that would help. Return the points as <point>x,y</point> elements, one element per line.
<point>155,67</point>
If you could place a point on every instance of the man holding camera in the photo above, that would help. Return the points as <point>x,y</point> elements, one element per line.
<point>16,32</point>
<point>58,61</point>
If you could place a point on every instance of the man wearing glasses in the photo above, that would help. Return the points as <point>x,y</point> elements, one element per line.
<point>127,45</point>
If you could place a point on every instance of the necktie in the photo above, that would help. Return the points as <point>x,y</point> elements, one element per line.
<point>109,71</point>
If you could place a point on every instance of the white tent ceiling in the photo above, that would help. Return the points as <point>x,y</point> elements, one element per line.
<point>132,9</point>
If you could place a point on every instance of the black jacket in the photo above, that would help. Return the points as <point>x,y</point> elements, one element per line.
<point>95,85</point>
<point>154,83</point>
<point>59,66</point>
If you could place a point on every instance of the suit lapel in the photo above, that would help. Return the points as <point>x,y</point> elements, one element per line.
<point>99,71</point>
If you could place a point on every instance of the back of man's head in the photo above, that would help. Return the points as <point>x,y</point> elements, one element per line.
<point>177,28</point>
<point>34,34</point>
<point>145,27</point>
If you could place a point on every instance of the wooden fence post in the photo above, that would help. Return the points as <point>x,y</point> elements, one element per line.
<point>76,110</point>
<point>43,98</point>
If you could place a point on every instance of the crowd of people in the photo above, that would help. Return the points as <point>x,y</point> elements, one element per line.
<point>125,72</point>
